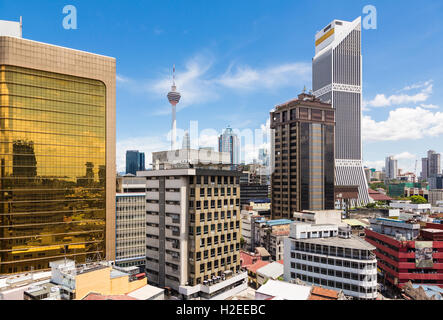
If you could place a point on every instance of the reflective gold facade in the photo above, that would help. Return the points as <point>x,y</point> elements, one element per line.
<point>54,160</point>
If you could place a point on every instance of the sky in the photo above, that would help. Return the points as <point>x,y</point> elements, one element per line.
<point>236,60</point>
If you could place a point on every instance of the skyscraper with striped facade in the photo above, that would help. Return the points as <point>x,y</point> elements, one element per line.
<point>337,79</point>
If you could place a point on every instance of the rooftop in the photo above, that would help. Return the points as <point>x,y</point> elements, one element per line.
<point>280,222</point>
<point>259,264</point>
<point>319,293</point>
<point>272,270</point>
<point>285,290</point>
<point>97,296</point>
<point>146,292</point>
<point>352,243</point>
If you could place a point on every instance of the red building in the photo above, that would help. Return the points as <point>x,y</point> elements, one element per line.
<point>407,252</point>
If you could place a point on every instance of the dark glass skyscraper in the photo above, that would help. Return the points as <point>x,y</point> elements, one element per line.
<point>302,156</point>
<point>135,161</point>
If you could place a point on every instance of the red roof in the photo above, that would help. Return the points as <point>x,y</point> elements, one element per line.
<point>248,259</point>
<point>281,262</point>
<point>259,264</point>
<point>319,293</point>
<point>377,196</point>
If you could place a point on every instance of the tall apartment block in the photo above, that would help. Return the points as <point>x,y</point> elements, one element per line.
<point>391,168</point>
<point>329,256</point>
<point>193,229</point>
<point>337,79</point>
<point>135,161</point>
<point>431,166</point>
<point>302,156</point>
<point>130,225</point>
<point>57,154</point>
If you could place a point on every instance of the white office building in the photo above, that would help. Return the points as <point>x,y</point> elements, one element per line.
<point>329,256</point>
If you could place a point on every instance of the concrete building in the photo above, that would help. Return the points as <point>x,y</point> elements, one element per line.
<point>435,196</point>
<point>13,287</point>
<point>130,232</point>
<point>193,230</point>
<point>302,156</point>
<point>248,218</point>
<point>135,161</point>
<point>74,282</point>
<point>269,235</point>
<point>330,256</point>
<point>337,79</point>
<point>319,217</point>
<point>436,182</point>
<point>407,206</point>
<point>58,154</point>
<point>271,271</point>
<point>407,251</point>
<point>276,246</point>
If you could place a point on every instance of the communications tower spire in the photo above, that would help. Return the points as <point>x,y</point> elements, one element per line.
<point>174,98</point>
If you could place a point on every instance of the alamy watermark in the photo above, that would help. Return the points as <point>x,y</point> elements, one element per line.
<point>70,20</point>
<point>370,19</point>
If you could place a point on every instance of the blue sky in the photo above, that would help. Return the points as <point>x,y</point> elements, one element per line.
<point>236,60</point>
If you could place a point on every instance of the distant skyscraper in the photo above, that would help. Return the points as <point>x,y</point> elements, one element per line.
<point>186,141</point>
<point>337,78</point>
<point>263,157</point>
<point>229,142</point>
<point>431,166</point>
<point>135,161</point>
<point>391,167</point>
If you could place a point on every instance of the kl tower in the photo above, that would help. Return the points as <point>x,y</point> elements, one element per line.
<point>174,98</point>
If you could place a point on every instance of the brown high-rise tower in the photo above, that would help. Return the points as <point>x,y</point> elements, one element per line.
<point>302,156</point>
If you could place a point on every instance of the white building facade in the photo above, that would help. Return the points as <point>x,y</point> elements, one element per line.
<point>329,256</point>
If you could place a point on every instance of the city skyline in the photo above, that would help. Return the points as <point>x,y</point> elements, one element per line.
<point>240,74</point>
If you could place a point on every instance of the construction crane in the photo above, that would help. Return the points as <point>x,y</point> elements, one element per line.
<point>415,172</point>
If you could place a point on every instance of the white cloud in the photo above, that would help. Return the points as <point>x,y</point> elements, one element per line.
<point>374,164</point>
<point>247,78</point>
<point>197,83</point>
<point>381,100</point>
<point>429,106</point>
<point>417,86</point>
<point>405,156</point>
<point>122,79</point>
<point>403,124</point>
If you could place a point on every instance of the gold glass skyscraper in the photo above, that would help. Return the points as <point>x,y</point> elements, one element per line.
<point>57,155</point>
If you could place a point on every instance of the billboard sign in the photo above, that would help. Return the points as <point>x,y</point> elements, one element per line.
<point>423,254</point>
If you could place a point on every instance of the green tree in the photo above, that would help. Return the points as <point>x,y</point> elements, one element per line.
<point>375,186</point>
<point>242,242</point>
<point>418,200</point>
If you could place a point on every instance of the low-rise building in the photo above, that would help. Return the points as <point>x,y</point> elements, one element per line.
<point>407,251</point>
<point>271,271</point>
<point>435,196</point>
<point>252,273</point>
<point>279,290</point>
<point>319,217</point>
<point>328,255</point>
